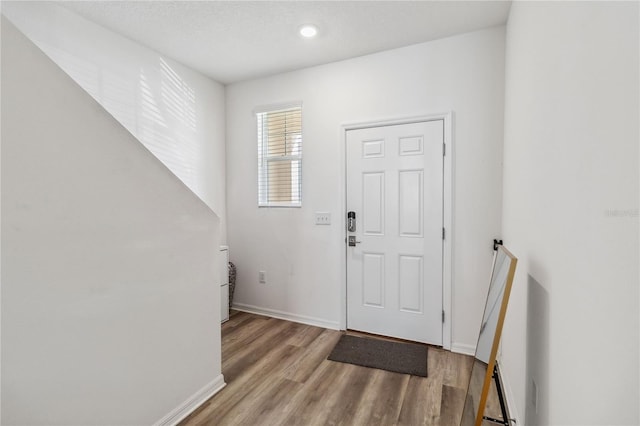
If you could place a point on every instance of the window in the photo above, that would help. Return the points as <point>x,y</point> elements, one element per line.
<point>280,157</point>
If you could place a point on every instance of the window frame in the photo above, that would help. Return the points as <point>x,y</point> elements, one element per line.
<point>263,158</point>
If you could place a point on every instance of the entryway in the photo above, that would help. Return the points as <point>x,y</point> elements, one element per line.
<point>277,373</point>
<point>395,201</point>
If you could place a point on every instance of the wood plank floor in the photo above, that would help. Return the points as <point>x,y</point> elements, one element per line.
<point>277,374</point>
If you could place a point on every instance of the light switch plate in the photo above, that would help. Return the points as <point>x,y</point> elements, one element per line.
<point>323,218</point>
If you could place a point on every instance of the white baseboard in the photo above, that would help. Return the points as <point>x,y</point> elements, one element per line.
<point>463,348</point>
<point>317,322</point>
<point>189,406</point>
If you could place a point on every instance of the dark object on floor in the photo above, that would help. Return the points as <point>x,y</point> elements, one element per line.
<point>232,282</point>
<point>405,358</point>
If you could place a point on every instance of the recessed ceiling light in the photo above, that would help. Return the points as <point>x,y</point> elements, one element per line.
<point>308,31</point>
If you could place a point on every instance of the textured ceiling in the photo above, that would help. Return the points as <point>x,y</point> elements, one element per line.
<point>232,41</point>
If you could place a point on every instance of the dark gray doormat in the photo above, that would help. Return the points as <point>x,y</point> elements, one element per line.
<point>405,358</point>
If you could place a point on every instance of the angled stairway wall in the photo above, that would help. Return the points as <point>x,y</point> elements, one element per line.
<point>110,305</point>
<point>175,112</point>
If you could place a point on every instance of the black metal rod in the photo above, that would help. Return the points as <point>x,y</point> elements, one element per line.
<point>492,420</point>
<point>503,407</point>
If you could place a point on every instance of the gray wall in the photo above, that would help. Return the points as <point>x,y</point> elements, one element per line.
<point>107,261</point>
<point>571,198</point>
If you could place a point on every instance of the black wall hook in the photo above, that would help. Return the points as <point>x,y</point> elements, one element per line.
<point>496,243</point>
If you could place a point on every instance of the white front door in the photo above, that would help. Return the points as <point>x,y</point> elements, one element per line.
<point>395,189</point>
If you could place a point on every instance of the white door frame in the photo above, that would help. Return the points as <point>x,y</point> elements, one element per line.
<point>447,253</point>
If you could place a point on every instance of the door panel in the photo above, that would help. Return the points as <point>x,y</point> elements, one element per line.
<point>394,275</point>
<point>410,283</point>
<point>373,279</point>
<point>373,203</point>
<point>410,206</point>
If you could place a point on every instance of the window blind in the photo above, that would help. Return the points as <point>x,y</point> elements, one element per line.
<point>280,158</point>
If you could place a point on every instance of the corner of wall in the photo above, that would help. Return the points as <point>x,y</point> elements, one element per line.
<point>192,403</point>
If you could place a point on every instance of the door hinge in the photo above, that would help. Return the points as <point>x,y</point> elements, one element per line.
<point>443,233</point>
<point>444,149</point>
<point>443,316</point>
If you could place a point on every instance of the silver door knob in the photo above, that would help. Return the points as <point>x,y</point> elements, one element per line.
<point>352,241</point>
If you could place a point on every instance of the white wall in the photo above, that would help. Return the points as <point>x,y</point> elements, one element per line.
<point>177,113</point>
<point>463,74</point>
<point>571,198</point>
<point>110,303</point>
